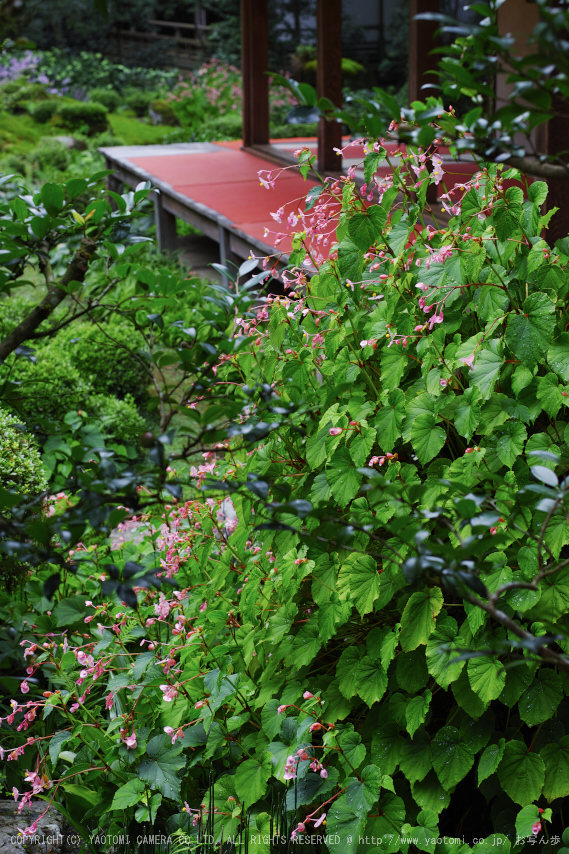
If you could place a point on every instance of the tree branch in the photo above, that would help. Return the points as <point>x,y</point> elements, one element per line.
<point>56,293</point>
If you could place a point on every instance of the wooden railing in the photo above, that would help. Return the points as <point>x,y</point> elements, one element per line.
<point>185,45</point>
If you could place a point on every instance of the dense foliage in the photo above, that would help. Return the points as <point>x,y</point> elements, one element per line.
<point>369,564</point>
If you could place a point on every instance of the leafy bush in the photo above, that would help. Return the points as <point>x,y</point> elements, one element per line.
<point>107,358</point>
<point>50,153</point>
<point>21,469</point>
<point>139,101</point>
<point>161,112</point>
<point>43,111</point>
<point>372,598</point>
<point>50,387</point>
<point>107,97</point>
<point>75,115</point>
<point>119,419</point>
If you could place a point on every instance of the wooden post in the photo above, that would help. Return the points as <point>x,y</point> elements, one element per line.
<point>255,62</point>
<point>422,40</point>
<point>329,80</point>
<point>165,222</point>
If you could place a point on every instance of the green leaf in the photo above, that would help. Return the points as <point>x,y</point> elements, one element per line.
<point>525,820</point>
<point>128,795</point>
<point>416,712</point>
<point>361,445</point>
<point>492,303</point>
<point>353,749</point>
<point>371,681</point>
<point>467,413</point>
<point>346,671</point>
<point>485,371</point>
<point>71,610</point>
<point>359,578</point>
<point>419,616</point>
<point>537,193</point>
<point>52,198</point>
<point>438,660</point>
<point>452,759</point>
<point>390,420</point>
<point>349,260</point>
<point>415,760</point>
<point>430,795</point>
<point>399,235</point>
<point>507,215</point>
<point>251,778</point>
<point>510,439</point>
<point>343,827</point>
<point>343,477</point>
<point>529,334</point>
<point>427,437</point>
<point>558,356</point>
<point>487,677</point>
<point>539,702</point>
<point>159,770</point>
<point>521,773</point>
<point>490,759</point>
<point>40,226</point>
<point>556,758</point>
<point>365,228</point>
<point>393,363</point>
<point>363,794</point>
<point>56,742</point>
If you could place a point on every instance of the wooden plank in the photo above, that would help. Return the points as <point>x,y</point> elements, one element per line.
<point>422,40</point>
<point>255,64</point>
<point>329,80</point>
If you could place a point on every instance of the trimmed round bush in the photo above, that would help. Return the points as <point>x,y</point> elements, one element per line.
<point>43,111</point>
<point>50,152</point>
<point>161,113</point>
<point>77,114</point>
<point>103,361</point>
<point>51,387</point>
<point>139,101</point>
<point>21,468</point>
<point>107,97</point>
<point>120,419</point>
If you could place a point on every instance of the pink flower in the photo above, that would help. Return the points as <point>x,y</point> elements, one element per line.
<point>24,687</point>
<point>281,709</point>
<point>130,741</point>
<point>323,773</point>
<point>493,530</point>
<point>109,701</point>
<point>443,383</point>
<point>203,606</point>
<point>319,821</point>
<point>170,693</point>
<point>315,727</point>
<point>307,695</point>
<point>468,361</point>
<point>335,431</point>
<point>536,828</point>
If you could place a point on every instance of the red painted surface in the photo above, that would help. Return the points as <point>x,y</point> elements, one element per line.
<point>227,181</point>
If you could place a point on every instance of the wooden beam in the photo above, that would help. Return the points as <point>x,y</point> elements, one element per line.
<point>422,40</point>
<point>255,64</point>
<point>329,80</point>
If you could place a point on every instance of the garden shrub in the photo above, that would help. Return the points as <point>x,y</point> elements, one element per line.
<point>76,115</point>
<point>370,614</point>
<point>119,419</point>
<point>161,112</point>
<point>103,357</point>
<point>50,387</point>
<point>49,153</point>
<point>110,99</point>
<point>43,111</point>
<point>139,101</point>
<point>21,468</point>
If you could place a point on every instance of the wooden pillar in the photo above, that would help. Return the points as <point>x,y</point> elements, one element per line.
<point>254,63</point>
<point>329,80</point>
<point>165,222</point>
<point>422,40</point>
